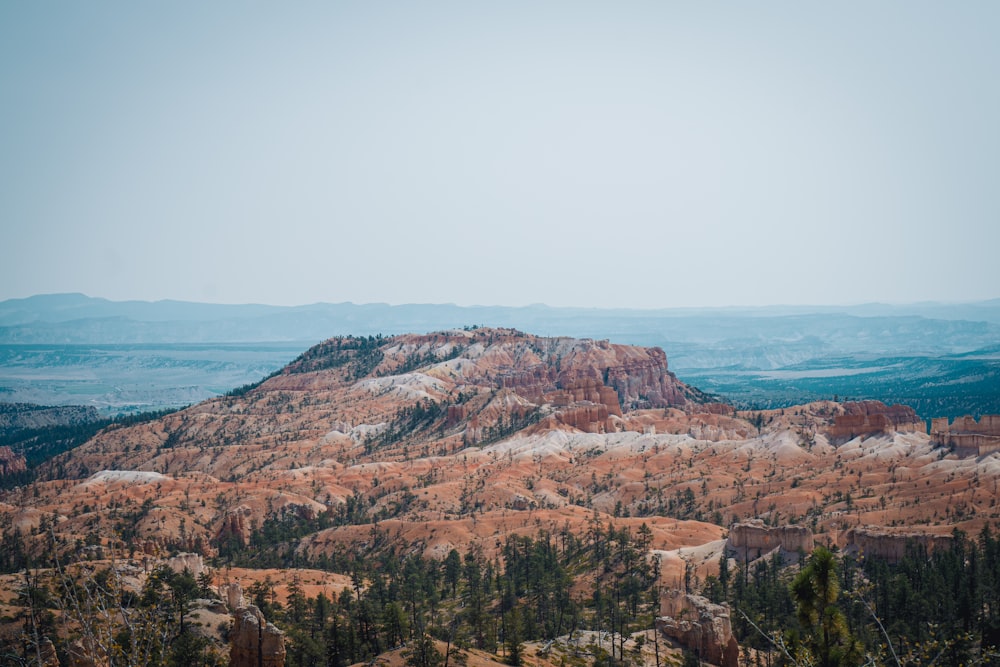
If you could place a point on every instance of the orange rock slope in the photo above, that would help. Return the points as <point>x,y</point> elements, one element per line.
<point>457,439</point>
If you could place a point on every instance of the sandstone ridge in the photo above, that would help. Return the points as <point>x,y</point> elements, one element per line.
<point>462,440</point>
<point>753,539</point>
<point>967,436</point>
<point>866,418</point>
<point>891,544</point>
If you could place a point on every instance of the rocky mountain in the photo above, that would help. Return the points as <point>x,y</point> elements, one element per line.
<point>462,439</point>
<point>447,437</point>
<point>137,356</point>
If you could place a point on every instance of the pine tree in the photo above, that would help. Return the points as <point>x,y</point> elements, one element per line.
<point>825,636</point>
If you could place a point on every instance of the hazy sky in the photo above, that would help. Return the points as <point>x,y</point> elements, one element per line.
<point>588,154</point>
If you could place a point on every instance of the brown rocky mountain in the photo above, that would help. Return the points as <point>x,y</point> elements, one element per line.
<point>418,426</point>
<point>461,438</point>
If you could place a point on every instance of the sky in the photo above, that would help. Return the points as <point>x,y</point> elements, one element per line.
<point>617,154</point>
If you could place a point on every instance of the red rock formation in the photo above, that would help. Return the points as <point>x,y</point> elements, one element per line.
<point>966,435</point>
<point>254,642</point>
<point>235,525</point>
<point>597,371</point>
<point>456,414</point>
<point>11,463</point>
<point>697,624</point>
<point>752,539</point>
<point>723,409</point>
<point>864,418</point>
<point>587,417</point>
<point>473,431</point>
<point>891,545</point>
<point>586,390</point>
<point>646,382</point>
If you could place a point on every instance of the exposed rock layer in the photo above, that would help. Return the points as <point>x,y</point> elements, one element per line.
<point>697,624</point>
<point>967,436</point>
<point>10,462</point>
<point>254,642</point>
<point>892,545</point>
<point>865,418</point>
<point>753,539</point>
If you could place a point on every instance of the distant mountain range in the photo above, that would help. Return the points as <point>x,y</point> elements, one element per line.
<point>71,348</point>
<point>75,318</point>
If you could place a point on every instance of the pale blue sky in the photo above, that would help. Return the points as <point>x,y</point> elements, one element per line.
<point>581,154</point>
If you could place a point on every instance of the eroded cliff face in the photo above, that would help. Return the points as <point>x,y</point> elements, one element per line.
<point>968,436</point>
<point>235,525</point>
<point>10,462</point>
<point>254,642</point>
<point>474,386</point>
<point>232,594</point>
<point>865,418</point>
<point>564,371</point>
<point>364,416</point>
<point>586,417</point>
<point>877,541</point>
<point>453,439</point>
<point>753,539</point>
<point>710,422</point>
<point>698,625</point>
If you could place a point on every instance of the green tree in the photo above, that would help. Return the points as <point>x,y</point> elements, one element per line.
<point>452,570</point>
<point>825,639</point>
<point>423,652</point>
<point>190,650</point>
<point>513,636</point>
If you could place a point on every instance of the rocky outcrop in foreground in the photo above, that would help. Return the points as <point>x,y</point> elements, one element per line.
<point>254,641</point>
<point>698,625</point>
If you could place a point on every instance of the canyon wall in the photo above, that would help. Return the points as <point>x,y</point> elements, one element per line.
<point>587,417</point>
<point>619,376</point>
<point>882,543</point>
<point>967,436</point>
<point>752,539</point>
<point>864,418</point>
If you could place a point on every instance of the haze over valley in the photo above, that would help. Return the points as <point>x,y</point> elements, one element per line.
<point>940,359</point>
